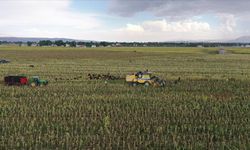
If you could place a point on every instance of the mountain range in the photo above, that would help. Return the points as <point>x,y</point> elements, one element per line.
<point>242,39</point>
<point>26,39</point>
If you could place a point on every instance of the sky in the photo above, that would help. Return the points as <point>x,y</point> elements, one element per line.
<point>126,20</point>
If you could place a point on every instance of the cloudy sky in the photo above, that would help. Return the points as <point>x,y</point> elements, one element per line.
<point>126,20</point>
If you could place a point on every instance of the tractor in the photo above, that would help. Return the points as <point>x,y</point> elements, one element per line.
<point>36,81</point>
<point>23,80</point>
<point>145,78</point>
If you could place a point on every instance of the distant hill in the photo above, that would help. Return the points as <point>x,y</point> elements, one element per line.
<point>242,39</point>
<point>25,39</point>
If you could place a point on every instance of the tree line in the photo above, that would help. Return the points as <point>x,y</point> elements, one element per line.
<point>62,43</point>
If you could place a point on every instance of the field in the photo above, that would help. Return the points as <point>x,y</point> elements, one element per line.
<point>208,109</point>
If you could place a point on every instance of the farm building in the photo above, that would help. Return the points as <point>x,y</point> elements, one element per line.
<point>80,46</point>
<point>24,44</point>
<point>221,51</point>
<point>34,45</point>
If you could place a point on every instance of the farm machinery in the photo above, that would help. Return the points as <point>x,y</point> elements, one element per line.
<point>145,78</point>
<point>4,61</point>
<point>23,80</point>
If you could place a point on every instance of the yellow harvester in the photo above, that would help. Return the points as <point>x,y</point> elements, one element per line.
<point>144,78</point>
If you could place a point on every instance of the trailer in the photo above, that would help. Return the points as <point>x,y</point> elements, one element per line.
<point>16,80</point>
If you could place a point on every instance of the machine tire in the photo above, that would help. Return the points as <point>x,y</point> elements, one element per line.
<point>134,84</point>
<point>146,84</point>
<point>130,83</point>
<point>162,83</point>
<point>33,84</point>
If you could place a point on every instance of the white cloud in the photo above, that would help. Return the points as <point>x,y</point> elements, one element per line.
<point>55,18</point>
<point>162,30</point>
<point>229,18</point>
<point>179,8</point>
<point>132,28</point>
<point>179,26</point>
<point>228,22</point>
<point>43,18</point>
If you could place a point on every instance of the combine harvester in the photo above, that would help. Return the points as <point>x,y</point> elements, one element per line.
<point>145,78</point>
<point>23,80</point>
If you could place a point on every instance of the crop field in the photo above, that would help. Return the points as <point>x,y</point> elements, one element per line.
<point>208,109</point>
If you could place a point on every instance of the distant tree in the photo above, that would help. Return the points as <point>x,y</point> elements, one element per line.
<point>60,43</point>
<point>81,43</point>
<point>89,44</point>
<point>72,44</point>
<point>19,43</point>
<point>29,43</point>
<point>45,43</point>
<point>104,44</point>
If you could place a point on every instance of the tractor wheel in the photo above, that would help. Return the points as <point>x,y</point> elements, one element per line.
<point>162,83</point>
<point>146,84</point>
<point>131,83</point>
<point>134,84</point>
<point>33,84</point>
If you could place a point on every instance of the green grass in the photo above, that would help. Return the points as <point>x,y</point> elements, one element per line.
<point>208,109</point>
